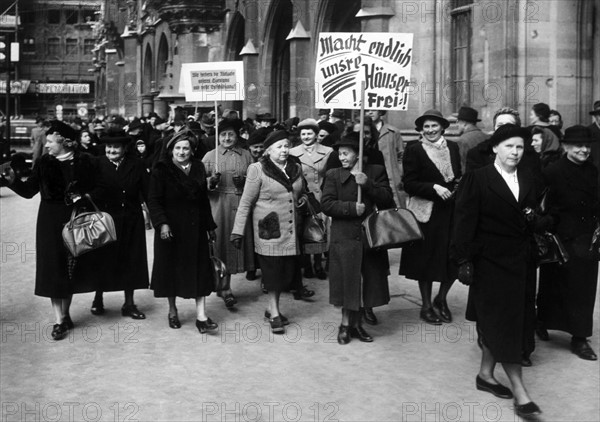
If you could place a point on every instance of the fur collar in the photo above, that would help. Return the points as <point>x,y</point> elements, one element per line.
<point>292,169</point>
<point>190,185</point>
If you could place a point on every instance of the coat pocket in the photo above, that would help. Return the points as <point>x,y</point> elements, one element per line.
<point>268,227</point>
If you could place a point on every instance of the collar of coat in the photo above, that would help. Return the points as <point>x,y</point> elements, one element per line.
<point>190,185</point>
<point>300,150</point>
<point>235,149</point>
<point>292,169</point>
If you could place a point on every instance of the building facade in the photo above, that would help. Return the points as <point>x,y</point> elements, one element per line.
<point>481,53</point>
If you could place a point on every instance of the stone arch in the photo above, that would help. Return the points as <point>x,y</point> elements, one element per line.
<point>276,61</point>
<point>235,38</point>
<point>162,56</point>
<point>147,71</point>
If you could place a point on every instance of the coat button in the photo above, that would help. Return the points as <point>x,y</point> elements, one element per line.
<point>290,221</point>
<point>290,201</point>
<point>291,211</point>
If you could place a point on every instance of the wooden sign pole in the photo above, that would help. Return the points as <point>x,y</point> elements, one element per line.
<point>361,144</point>
<point>216,138</point>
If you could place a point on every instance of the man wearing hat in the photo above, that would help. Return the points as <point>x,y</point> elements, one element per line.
<point>470,134</point>
<point>38,138</point>
<point>567,292</point>
<point>595,130</point>
<point>338,118</point>
<point>323,114</point>
<point>391,145</point>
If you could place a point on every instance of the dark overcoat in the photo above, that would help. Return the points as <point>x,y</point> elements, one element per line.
<point>120,191</point>
<point>182,265</point>
<point>54,179</point>
<point>428,259</point>
<point>348,257</point>
<point>491,231</point>
<point>567,292</point>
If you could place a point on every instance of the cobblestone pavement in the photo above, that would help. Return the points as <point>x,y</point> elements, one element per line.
<point>116,369</point>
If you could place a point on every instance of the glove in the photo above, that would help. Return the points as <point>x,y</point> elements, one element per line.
<point>465,273</point>
<point>214,180</point>
<point>212,235</point>
<point>239,181</point>
<point>237,242</point>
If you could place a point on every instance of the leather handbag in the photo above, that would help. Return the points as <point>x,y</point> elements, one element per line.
<point>218,270</point>
<point>314,229</point>
<point>550,249</point>
<point>88,231</point>
<point>391,228</point>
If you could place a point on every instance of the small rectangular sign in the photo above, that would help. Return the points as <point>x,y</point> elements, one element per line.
<point>58,88</point>
<point>215,81</point>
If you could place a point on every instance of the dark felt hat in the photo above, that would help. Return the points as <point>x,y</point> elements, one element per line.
<point>135,124</point>
<point>578,135</point>
<point>63,129</point>
<point>351,140</point>
<point>431,115</point>
<point>115,137</point>
<point>508,131</point>
<point>468,114</point>
<point>259,136</point>
<point>207,120</point>
<point>542,110</point>
<point>183,135</point>
<point>275,136</point>
<point>265,117</point>
<point>596,110</point>
<point>327,126</point>
<point>152,114</point>
<point>323,111</point>
<point>235,124</point>
<point>338,113</point>
<point>195,126</point>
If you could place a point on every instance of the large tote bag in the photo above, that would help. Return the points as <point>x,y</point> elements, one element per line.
<point>88,230</point>
<point>391,228</point>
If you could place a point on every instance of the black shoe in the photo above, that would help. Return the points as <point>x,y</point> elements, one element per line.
<point>582,349</point>
<point>277,326</point>
<point>369,316</point>
<point>132,311</point>
<point>442,309</point>
<point>205,326</point>
<point>542,333</point>
<point>320,273</point>
<point>229,300</point>
<point>526,360</point>
<point>59,331</point>
<point>174,322</point>
<point>283,319</point>
<point>68,322</point>
<point>430,317</point>
<point>497,390</point>
<point>97,308</point>
<point>250,275</point>
<point>344,335</point>
<point>527,410</point>
<point>303,293</point>
<point>360,333</point>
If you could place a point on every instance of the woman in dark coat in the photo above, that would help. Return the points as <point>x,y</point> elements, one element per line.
<point>122,187</point>
<point>567,292</point>
<point>183,223</point>
<point>61,177</point>
<point>431,172</point>
<point>493,244</point>
<point>357,276</point>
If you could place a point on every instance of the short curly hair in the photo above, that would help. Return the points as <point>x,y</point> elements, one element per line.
<point>508,110</point>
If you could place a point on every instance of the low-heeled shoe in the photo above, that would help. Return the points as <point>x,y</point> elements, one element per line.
<point>59,331</point>
<point>283,319</point>
<point>132,311</point>
<point>344,335</point>
<point>174,322</point>
<point>442,310</point>
<point>303,293</point>
<point>277,325</point>
<point>68,322</point>
<point>542,333</point>
<point>360,333</point>
<point>250,275</point>
<point>229,300</point>
<point>369,316</point>
<point>527,410</point>
<point>430,317</point>
<point>497,390</point>
<point>583,350</point>
<point>526,360</point>
<point>205,326</point>
<point>320,273</point>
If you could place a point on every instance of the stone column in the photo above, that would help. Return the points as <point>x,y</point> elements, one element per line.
<point>131,87</point>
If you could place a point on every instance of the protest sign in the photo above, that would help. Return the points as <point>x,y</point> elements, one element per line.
<point>213,81</point>
<point>346,59</point>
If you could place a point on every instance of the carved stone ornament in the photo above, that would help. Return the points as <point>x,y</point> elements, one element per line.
<point>185,16</point>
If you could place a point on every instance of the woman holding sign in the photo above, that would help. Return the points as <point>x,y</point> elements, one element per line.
<point>357,276</point>
<point>431,173</point>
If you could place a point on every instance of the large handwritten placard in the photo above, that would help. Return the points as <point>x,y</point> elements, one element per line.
<point>346,59</point>
<point>214,81</point>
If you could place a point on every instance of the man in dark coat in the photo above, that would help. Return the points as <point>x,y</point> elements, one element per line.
<point>595,129</point>
<point>471,135</point>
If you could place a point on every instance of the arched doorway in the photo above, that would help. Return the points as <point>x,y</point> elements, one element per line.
<point>279,25</point>
<point>147,72</point>
<point>162,57</point>
<point>235,44</point>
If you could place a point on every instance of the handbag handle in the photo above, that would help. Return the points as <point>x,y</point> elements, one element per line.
<point>304,200</point>
<point>75,210</point>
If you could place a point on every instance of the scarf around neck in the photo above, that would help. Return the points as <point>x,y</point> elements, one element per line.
<point>439,154</point>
